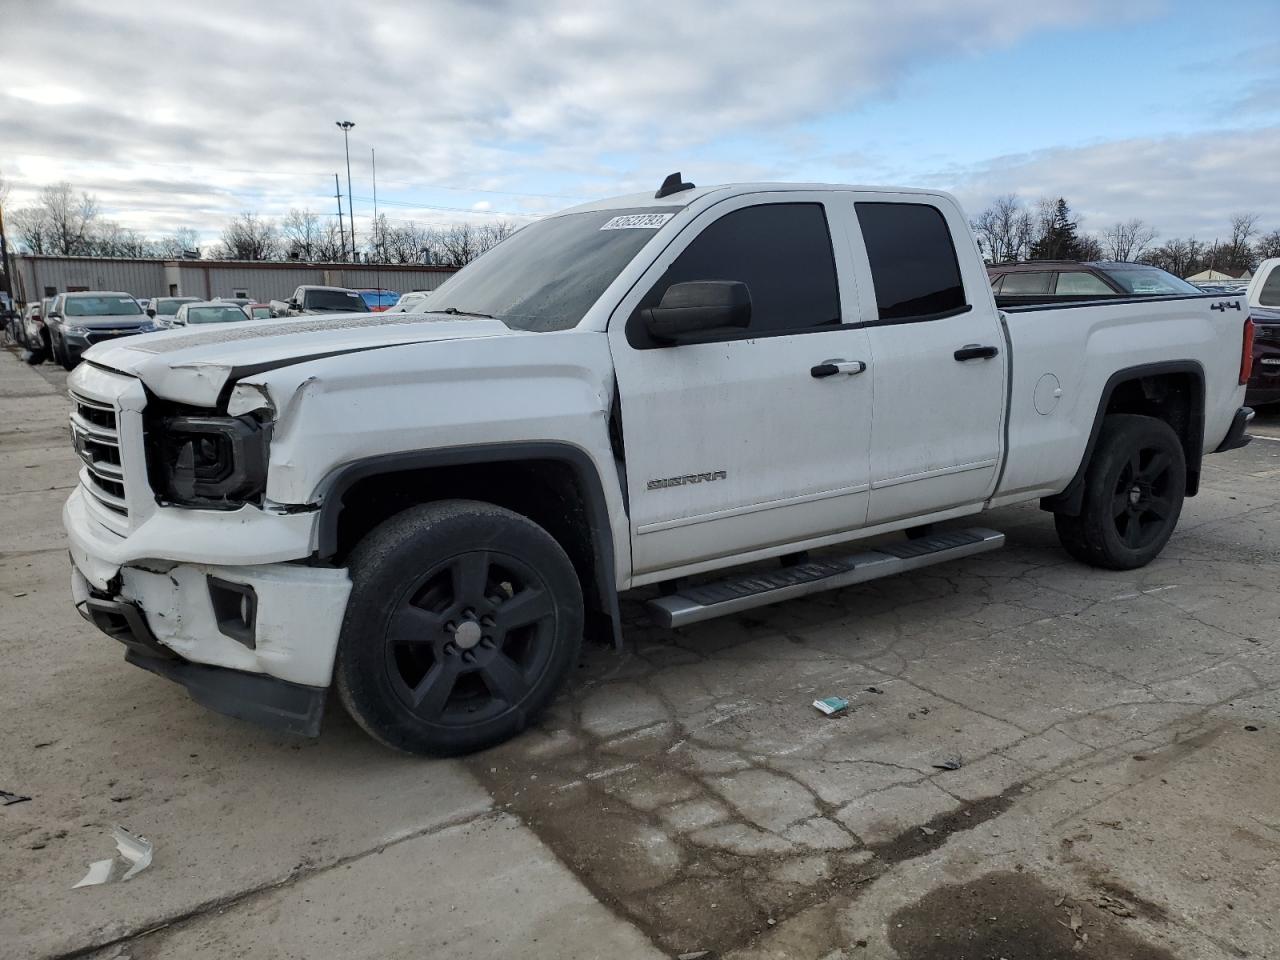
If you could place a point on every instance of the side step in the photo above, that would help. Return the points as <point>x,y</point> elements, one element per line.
<point>707,600</point>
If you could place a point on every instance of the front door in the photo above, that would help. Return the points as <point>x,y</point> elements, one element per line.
<point>746,443</point>
<point>938,360</point>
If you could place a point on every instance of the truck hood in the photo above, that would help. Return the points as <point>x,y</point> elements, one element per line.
<point>193,364</point>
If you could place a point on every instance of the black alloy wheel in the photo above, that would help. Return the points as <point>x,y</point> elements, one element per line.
<point>464,619</point>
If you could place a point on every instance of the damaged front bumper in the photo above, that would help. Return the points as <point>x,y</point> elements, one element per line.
<point>254,641</point>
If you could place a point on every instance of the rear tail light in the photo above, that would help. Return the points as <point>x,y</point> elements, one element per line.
<point>1246,352</point>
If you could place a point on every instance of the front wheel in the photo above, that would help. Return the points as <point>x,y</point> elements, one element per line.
<point>464,620</point>
<point>1134,487</point>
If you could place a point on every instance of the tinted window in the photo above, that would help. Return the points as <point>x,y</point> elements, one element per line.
<point>913,260</point>
<point>1079,284</point>
<point>1025,284</point>
<point>1270,295</point>
<point>340,300</point>
<point>781,251</point>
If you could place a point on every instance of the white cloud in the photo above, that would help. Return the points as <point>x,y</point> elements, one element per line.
<point>1182,185</point>
<point>241,96</point>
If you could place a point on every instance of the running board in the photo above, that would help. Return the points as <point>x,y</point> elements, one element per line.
<point>704,601</point>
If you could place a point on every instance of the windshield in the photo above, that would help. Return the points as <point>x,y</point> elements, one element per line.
<point>101,307</point>
<point>375,298</point>
<point>548,274</point>
<point>168,306</point>
<point>1149,281</point>
<point>344,301</point>
<point>223,314</point>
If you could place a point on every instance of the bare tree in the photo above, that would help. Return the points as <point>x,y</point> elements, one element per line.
<point>1128,239</point>
<point>69,218</point>
<point>178,244</point>
<point>301,233</point>
<point>460,244</point>
<point>249,237</point>
<point>493,233</point>
<point>331,247</point>
<point>31,227</point>
<point>1004,230</point>
<point>1237,253</point>
<point>1268,246</point>
<point>1180,257</point>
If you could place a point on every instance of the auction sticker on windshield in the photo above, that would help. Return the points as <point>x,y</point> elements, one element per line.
<point>638,221</point>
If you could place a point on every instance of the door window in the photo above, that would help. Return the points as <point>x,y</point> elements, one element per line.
<point>1081,284</point>
<point>913,261</point>
<point>781,251</point>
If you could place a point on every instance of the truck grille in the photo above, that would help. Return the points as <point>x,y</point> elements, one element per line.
<point>96,437</point>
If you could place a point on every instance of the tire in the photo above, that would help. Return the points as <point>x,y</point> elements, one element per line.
<point>65,359</point>
<point>464,620</point>
<point>1134,487</point>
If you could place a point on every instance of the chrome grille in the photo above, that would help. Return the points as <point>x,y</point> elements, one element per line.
<point>96,437</point>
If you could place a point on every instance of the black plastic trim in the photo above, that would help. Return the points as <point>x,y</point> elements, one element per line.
<point>266,701</point>
<point>225,597</point>
<point>1236,436</point>
<point>922,318</point>
<point>343,478</point>
<point>1071,499</point>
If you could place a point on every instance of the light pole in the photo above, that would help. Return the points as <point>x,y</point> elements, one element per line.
<point>346,126</point>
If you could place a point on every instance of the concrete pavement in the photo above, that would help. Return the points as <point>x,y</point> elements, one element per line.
<point>1118,737</point>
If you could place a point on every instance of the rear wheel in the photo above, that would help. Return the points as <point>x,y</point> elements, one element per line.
<point>1134,488</point>
<point>464,620</point>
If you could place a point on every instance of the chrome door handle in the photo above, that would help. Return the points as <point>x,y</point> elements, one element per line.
<point>830,368</point>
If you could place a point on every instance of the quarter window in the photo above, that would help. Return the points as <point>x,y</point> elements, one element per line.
<point>913,260</point>
<point>781,251</point>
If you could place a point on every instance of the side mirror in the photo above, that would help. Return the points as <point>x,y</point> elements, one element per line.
<point>151,312</point>
<point>695,310</point>
<point>293,305</point>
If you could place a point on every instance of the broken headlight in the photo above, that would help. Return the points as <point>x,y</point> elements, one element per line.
<point>218,462</point>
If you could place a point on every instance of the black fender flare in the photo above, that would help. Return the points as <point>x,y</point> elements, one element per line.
<point>342,478</point>
<point>1071,499</point>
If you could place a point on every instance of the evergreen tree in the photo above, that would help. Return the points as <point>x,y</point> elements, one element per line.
<point>1058,239</point>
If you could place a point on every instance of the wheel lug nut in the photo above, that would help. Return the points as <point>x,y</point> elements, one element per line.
<point>450,627</point>
<point>468,657</point>
<point>486,642</point>
<point>450,649</point>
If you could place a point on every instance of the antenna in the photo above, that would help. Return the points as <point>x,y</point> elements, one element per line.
<point>673,184</point>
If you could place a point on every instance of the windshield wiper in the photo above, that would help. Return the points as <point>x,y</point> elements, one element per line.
<point>454,311</point>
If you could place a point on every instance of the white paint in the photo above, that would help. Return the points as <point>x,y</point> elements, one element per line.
<point>915,438</point>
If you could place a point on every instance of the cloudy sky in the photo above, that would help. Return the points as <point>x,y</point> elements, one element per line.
<point>181,115</point>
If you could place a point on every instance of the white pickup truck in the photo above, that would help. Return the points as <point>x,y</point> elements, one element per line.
<point>428,509</point>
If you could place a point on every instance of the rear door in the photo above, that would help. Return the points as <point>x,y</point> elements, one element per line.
<point>938,360</point>
<point>743,444</point>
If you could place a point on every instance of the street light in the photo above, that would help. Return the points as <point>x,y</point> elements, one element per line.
<point>346,126</point>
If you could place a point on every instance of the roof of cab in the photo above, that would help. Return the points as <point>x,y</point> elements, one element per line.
<point>683,198</point>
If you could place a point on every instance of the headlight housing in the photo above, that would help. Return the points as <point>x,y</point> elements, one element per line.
<point>74,328</point>
<point>208,461</point>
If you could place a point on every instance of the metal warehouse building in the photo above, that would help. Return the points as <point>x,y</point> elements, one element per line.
<point>40,275</point>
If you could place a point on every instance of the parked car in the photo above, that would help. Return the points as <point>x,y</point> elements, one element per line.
<point>1043,281</point>
<point>76,321</point>
<point>379,300</point>
<point>33,335</point>
<point>166,308</point>
<point>208,311</point>
<point>653,390</point>
<point>409,302</point>
<point>238,301</point>
<point>258,311</point>
<point>309,299</point>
